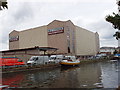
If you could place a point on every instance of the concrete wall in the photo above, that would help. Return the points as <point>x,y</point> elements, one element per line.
<point>62,40</point>
<point>33,37</point>
<point>70,34</point>
<point>57,40</point>
<point>97,42</point>
<point>85,42</point>
<point>79,40</point>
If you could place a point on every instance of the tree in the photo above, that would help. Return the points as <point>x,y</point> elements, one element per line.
<point>115,52</point>
<point>115,20</point>
<point>3,4</point>
<point>117,35</point>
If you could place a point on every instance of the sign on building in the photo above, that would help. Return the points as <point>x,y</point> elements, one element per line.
<point>14,38</point>
<point>56,31</point>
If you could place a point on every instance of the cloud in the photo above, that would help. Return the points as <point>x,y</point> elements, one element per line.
<point>105,31</point>
<point>89,14</point>
<point>109,42</point>
<point>23,13</point>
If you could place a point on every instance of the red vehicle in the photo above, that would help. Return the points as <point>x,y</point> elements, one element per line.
<point>11,61</point>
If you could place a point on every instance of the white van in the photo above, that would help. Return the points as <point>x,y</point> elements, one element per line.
<point>56,58</point>
<point>73,58</point>
<point>37,60</point>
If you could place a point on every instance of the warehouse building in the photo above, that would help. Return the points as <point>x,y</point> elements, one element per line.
<point>63,35</point>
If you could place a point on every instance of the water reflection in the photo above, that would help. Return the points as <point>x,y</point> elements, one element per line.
<point>110,74</point>
<point>30,79</point>
<point>12,80</point>
<point>97,75</point>
<point>85,76</point>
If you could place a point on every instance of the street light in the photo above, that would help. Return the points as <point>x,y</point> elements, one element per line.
<point>3,4</point>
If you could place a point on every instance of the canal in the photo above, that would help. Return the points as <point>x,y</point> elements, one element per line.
<point>88,75</point>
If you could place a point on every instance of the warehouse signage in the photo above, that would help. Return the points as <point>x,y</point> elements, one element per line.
<point>14,38</point>
<point>56,31</point>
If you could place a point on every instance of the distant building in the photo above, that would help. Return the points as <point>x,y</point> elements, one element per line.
<point>64,35</point>
<point>118,49</point>
<point>107,50</point>
<point>25,54</point>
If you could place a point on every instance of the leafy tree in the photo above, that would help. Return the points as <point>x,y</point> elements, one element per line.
<point>117,35</point>
<point>115,20</point>
<point>3,5</point>
<point>115,52</point>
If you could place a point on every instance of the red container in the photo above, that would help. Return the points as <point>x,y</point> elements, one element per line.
<point>10,61</point>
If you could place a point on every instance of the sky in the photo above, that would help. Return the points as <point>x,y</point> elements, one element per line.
<point>88,14</point>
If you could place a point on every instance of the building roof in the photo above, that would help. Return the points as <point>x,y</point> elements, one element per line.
<point>33,48</point>
<point>41,26</point>
<point>61,21</point>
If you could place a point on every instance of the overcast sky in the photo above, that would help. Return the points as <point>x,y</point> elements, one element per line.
<point>88,14</point>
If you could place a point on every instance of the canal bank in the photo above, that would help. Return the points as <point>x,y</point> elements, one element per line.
<point>46,66</point>
<point>93,60</point>
<point>28,68</point>
<point>89,75</point>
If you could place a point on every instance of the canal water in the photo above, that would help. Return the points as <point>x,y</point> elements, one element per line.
<point>91,75</point>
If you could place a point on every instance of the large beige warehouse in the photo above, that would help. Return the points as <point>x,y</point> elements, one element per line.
<point>64,35</point>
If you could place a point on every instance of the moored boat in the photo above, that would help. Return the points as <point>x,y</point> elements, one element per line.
<point>116,57</point>
<point>69,61</point>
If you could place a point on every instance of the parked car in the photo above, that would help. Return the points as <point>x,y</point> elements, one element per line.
<point>56,58</point>
<point>38,60</point>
